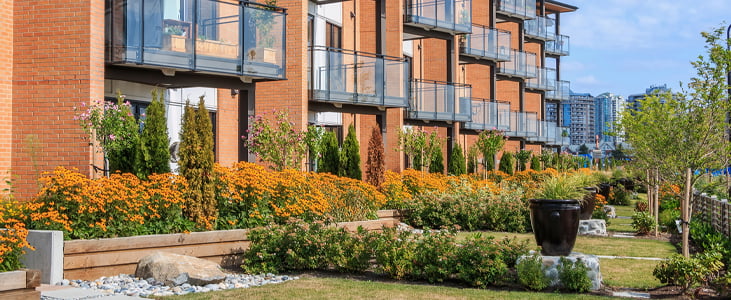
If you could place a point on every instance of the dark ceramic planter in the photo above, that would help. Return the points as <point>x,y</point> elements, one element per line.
<point>555,225</point>
<point>587,206</point>
<point>604,189</point>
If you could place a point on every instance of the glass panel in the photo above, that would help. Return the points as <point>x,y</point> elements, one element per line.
<point>264,41</point>
<point>452,15</point>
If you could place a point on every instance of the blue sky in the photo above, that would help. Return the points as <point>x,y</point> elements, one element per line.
<point>624,46</point>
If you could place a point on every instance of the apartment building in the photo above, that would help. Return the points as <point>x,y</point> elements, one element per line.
<point>455,67</point>
<point>608,108</point>
<point>579,116</point>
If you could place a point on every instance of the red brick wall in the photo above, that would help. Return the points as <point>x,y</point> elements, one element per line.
<point>6,89</point>
<point>227,128</point>
<point>58,63</point>
<point>394,116</point>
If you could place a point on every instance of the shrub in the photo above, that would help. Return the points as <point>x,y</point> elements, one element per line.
<point>375,164</point>
<point>708,239</point>
<point>573,275</point>
<point>457,161</point>
<point>535,163</point>
<point>686,272</point>
<point>395,253</point>
<point>13,237</point>
<point>531,273</point>
<point>641,206</point>
<point>434,256</point>
<point>507,163</point>
<point>643,222</point>
<point>330,161</point>
<point>667,218</point>
<point>196,164</point>
<point>437,161</point>
<point>280,143</point>
<point>479,262</point>
<point>153,154</point>
<point>350,156</point>
<point>618,195</point>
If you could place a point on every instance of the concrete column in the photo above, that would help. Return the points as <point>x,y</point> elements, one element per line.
<point>48,256</point>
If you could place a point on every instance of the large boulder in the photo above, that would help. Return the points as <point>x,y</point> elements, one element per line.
<point>175,269</point>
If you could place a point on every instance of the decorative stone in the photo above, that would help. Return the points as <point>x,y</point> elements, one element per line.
<point>593,227</point>
<point>611,212</point>
<point>551,267</point>
<point>174,269</point>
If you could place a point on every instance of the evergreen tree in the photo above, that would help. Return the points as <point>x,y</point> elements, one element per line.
<point>437,161</point>
<point>535,163</point>
<point>507,163</point>
<point>375,164</point>
<point>457,161</point>
<point>196,164</point>
<point>330,160</point>
<point>153,154</point>
<point>350,156</point>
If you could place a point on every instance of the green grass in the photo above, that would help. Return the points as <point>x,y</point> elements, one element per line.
<point>629,273</point>
<point>342,288</point>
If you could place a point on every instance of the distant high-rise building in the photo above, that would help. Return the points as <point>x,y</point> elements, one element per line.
<point>633,101</point>
<point>607,109</point>
<point>579,116</point>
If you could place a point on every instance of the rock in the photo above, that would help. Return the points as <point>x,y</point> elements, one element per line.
<point>596,227</point>
<point>551,263</point>
<point>611,212</point>
<point>174,269</point>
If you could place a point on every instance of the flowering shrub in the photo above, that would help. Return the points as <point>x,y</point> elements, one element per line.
<point>279,144</point>
<point>13,234</point>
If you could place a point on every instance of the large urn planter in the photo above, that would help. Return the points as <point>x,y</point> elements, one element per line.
<point>587,206</point>
<point>555,225</point>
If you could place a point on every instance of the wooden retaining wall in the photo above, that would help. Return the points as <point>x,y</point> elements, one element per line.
<point>714,211</point>
<point>91,259</point>
<point>20,284</point>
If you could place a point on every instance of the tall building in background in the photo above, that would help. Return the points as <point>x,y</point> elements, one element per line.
<point>606,114</point>
<point>581,114</point>
<point>633,101</point>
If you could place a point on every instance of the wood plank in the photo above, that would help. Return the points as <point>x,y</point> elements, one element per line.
<point>97,272</point>
<point>367,225</point>
<point>32,278</point>
<point>158,240</point>
<point>23,294</point>
<point>12,280</point>
<point>110,258</point>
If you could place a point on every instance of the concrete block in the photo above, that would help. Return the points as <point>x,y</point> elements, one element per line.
<point>48,256</point>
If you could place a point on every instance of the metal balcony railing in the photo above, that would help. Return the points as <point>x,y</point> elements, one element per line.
<point>523,125</point>
<point>544,81</point>
<point>435,101</point>
<point>561,92</point>
<point>486,43</point>
<point>353,77</point>
<point>541,28</point>
<point>216,37</point>
<point>452,16</point>
<point>489,114</point>
<point>522,9</point>
<point>559,46</point>
<point>521,64</point>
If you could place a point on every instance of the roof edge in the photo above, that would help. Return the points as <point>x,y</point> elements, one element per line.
<point>568,7</point>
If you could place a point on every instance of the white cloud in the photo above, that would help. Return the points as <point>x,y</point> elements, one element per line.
<point>587,80</point>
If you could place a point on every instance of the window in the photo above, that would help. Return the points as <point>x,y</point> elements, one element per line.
<point>333,35</point>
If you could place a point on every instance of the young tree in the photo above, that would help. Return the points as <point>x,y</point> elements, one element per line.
<point>330,160</point>
<point>457,161</point>
<point>675,133</point>
<point>153,153</point>
<point>522,157</point>
<point>315,144</point>
<point>280,144</point>
<point>535,163</point>
<point>583,149</point>
<point>196,164</point>
<point>350,156</point>
<point>418,145</point>
<point>472,156</point>
<point>507,163</point>
<point>490,142</point>
<point>375,164</point>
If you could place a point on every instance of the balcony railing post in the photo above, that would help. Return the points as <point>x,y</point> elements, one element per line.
<point>380,81</point>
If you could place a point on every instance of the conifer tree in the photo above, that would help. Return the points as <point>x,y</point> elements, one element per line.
<point>375,164</point>
<point>437,161</point>
<point>457,161</point>
<point>196,164</point>
<point>350,156</point>
<point>153,154</point>
<point>507,163</point>
<point>330,160</point>
<point>535,163</point>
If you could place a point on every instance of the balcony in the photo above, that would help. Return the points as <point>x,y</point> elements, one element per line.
<point>521,9</point>
<point>450,16</point>
<point>561,92</point>
<point>546,133</point>
<point>544,81</point>
<point>559,46</point>
<point>360,78</point>
<point>523,125</point>
<point>213,37</point>
<point>521,64</point>
<point>326,1</point>
<point>489,114</point>
<point>540,28</point>
<point>435,101</point>
<point>486,43</point>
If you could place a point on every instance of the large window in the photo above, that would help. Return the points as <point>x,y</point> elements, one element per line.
<point>333,35</point>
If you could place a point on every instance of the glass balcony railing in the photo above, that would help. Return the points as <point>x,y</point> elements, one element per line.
<point>559,46</point>
<point>541,28</point>
<point>486,43</point>
<point>546,133</point>
<point>452,16</point>
<point>561,92</point>
<point>523,125</point>
<point>435,101</point>
<point>544,81</point>
<point>521,64</point>
<point>327,1</point>
<point>352,77</point>
<point>216,37</point>
<point>489,114</point>
<point>522,9</point>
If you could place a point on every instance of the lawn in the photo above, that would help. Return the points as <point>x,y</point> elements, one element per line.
<point>309,287</point>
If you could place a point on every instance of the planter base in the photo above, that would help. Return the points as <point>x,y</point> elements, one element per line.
<point>591,261</point>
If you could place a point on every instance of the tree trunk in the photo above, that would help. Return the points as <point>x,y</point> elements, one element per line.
<point>656,200</point>
<point>685,212</point>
